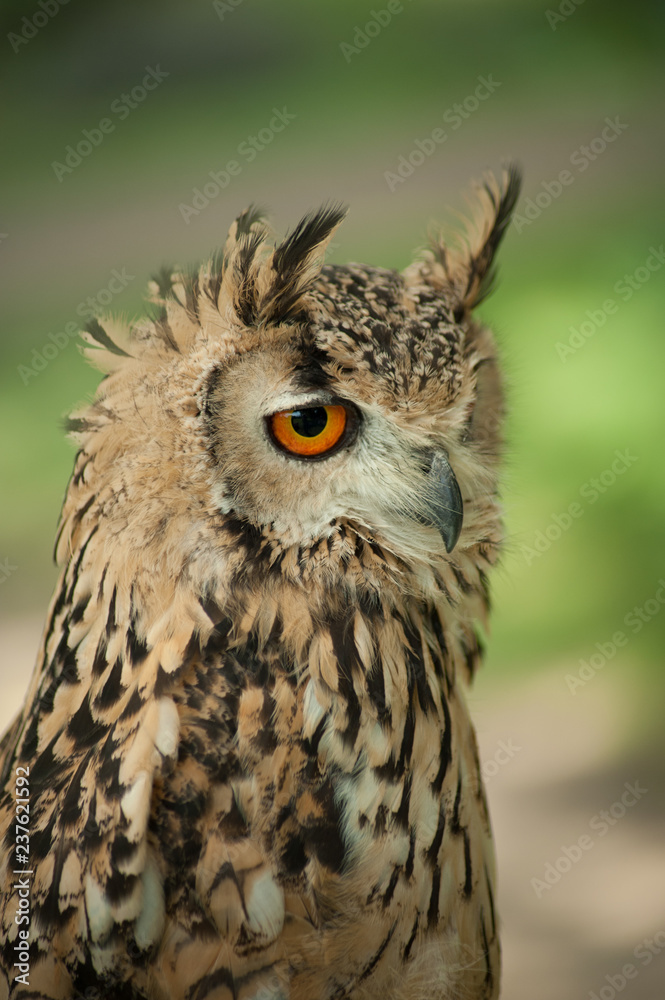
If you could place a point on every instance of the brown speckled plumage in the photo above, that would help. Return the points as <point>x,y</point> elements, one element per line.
<point>252,770</point>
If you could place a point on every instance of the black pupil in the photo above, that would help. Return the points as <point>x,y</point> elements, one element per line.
<point>309,423</point>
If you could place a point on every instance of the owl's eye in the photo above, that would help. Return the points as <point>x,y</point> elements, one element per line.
<point>312,431</point>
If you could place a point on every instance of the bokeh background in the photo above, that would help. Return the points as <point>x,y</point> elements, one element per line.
<point>568,711</point>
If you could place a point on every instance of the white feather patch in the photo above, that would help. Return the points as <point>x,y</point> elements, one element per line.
<point>100,918</point>
<point>135,805</point>
<point>168,727</point>
<point>150,924</point>
<point>312,710</point>
<point>265,907</point>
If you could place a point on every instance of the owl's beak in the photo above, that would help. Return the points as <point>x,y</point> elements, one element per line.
<point>445,506</point>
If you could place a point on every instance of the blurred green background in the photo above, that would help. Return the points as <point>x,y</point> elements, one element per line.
<point>362,98</point>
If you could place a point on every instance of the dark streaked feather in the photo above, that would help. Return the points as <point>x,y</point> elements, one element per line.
<point>98,333</point>
<point>164,282</point>
<point>481,270</point>
<point>292,259</point>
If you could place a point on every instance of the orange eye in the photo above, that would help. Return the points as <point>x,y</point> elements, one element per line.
<point>311,431</point>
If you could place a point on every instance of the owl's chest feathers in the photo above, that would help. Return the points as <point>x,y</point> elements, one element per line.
<point>356,774</point>
<point>326,757</point>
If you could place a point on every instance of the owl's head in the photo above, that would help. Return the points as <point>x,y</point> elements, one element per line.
<point>292,402</point>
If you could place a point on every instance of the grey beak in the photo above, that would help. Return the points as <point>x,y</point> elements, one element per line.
<point>446,509</point>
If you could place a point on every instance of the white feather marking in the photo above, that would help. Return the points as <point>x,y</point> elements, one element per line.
<point>150,924</point>
<point>168,727</point>
<point>265,907</point>
<point>100,918</point>
<point>135,804</point>
<point>312,710</point>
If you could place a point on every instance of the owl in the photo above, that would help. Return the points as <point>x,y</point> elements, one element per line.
<point>245,768</point>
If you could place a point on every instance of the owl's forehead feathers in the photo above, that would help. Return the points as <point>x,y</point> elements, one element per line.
<point>401,343</point>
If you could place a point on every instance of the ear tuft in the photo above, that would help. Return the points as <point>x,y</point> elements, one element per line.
<point>464,269</point>
<point>296,262</point>
<point>263,285</point>
<point>499,203</point>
